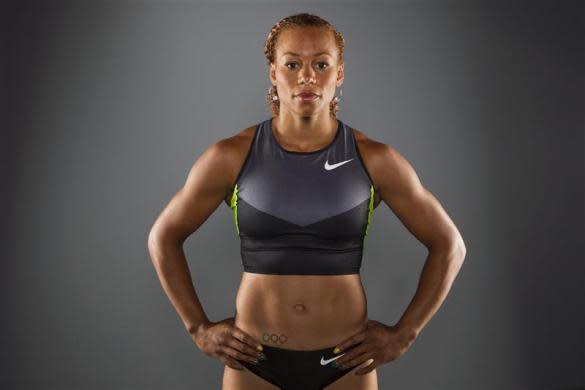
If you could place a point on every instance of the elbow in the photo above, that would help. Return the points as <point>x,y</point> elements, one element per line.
<point>452,248</point>
<point>151,242</point>
<point>456,245</point>
<point>158,243</point>
<point>453,255</point>
<point>153,245</point>
<point>153,238</point>
<point>462,249</point>
<point>153,235</point>
<point>459,250</point>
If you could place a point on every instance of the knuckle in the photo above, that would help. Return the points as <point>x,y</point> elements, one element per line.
<point>248,343</point>
<point>352,361</point>
<point>246,356</point>
<point>234,363</point>
<point>229,342</point>
<point>245,350</point>
<point>363,364</point>
<point>250,360</point>
<point>248,340</point>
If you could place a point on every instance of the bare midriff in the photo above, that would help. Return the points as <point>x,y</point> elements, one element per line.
<point>301,312</point>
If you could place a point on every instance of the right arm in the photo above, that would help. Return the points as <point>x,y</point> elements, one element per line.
<point>205,188</point>
<point>207,185</point>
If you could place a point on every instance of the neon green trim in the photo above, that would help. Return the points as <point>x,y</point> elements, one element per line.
<point>370,208</point>
<point>234,206</point>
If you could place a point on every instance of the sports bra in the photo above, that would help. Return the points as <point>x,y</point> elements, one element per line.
<point>302,213</point>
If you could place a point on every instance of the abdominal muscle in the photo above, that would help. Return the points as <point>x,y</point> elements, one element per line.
<point>300,312</point>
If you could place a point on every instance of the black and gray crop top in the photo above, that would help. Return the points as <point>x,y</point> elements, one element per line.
<point>302,213</point>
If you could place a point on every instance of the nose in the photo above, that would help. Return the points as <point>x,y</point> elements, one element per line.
<point>307,74</point>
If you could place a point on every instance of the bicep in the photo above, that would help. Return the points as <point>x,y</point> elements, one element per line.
<point>416,207</point>
<point>205,188</point>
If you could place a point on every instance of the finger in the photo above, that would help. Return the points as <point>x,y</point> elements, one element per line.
<point>352,353</point>
<point>246,338</point>
<point>355,339</point>
<point>243,348</point>
<point>228,361</point>
<point>235,354</point>
<point>357,360</point>
<point>366,369</point>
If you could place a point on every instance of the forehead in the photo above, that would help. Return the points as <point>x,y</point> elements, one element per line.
<point>306,41</point>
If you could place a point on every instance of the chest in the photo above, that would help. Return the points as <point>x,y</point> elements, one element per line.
<point>304,191</point>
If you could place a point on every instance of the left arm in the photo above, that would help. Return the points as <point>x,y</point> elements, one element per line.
<point>400,188</point>
<point>421,213</point>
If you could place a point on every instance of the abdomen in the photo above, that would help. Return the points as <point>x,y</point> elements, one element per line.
<point>300,312</point>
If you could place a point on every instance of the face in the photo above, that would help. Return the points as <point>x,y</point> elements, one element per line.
<point>306,60</point>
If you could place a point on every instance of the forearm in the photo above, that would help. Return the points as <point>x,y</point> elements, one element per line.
<point>174,275</point>
<point>437,276</point>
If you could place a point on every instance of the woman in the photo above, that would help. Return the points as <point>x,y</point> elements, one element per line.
<point>302,186</point>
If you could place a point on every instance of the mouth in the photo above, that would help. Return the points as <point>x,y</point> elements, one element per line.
<point>306,96</point>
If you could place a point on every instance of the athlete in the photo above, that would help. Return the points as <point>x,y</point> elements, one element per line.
<point>302,187</point>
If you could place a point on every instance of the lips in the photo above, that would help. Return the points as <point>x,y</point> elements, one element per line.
<point>307,96</point>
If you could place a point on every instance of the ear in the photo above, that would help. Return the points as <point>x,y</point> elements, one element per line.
<point>272,74</point>
<point>340,75</point>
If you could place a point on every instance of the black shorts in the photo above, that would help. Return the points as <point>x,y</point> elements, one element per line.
<point>298,370</point>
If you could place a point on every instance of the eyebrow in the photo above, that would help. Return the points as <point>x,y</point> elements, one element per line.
<point>298,55</point>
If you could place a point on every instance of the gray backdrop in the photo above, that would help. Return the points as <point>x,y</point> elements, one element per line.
<point>109,104</point>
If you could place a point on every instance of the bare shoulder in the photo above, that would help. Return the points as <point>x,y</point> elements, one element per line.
<point>217,167</point>
<point>206,186</point>
<point>368,144</point>
<point>233,151</point>
<point>379,158</point>
<point>401,189</point>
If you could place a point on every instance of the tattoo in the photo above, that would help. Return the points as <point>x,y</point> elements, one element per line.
<point>274,338</point>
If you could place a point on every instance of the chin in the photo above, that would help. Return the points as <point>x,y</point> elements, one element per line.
<point>308,109</point>
<point>307,113</point>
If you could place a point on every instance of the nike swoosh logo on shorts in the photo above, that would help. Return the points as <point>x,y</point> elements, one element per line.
<point>333,166</point>
<point>325,362</point>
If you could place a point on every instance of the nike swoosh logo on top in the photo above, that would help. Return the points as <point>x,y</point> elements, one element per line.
<point>325,362</point>
<point>333,166</point>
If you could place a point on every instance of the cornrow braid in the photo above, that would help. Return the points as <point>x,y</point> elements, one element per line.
<point>298,20</point>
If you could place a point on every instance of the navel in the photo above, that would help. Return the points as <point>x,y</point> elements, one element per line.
<point>300,308</point>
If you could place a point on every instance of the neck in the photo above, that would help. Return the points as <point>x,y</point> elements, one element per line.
<point>304,132</point>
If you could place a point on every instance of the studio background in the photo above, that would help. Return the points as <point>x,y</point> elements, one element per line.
<point>107,105</point>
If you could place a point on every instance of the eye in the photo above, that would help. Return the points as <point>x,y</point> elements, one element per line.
<point>319,64</point>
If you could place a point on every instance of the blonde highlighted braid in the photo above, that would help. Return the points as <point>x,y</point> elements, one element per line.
<point>298,20</point>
